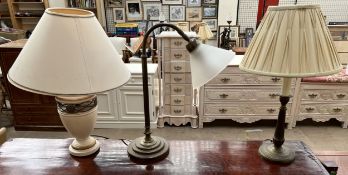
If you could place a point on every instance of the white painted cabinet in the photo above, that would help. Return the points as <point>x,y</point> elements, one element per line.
<point>124,107</point>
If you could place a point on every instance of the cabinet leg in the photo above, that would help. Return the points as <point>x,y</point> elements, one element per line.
<point>345,124</point>
<point>194,122</point>
<point>160,122</point>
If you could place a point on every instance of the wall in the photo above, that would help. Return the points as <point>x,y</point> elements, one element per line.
<point>227,8</point>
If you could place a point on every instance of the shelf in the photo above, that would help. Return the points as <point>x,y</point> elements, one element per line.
<point>5,17</point>
<point>27,17</point>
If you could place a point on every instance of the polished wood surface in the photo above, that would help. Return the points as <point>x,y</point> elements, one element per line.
<point>339,157</point>
<point>50,156</point>
<point>30,111</point>
<point>239,50</point>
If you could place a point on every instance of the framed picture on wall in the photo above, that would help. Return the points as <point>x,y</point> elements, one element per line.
<point>152,9</point>
<point>193,14</point>
<point>133,10</point>
<point>209,1</point>
<point>172,2</point>
<point>114,3</point>
<point>212,23</point>
<point>210,11</point>
<point>194,3</point>
<point>177,13</point>
<point>119,14</point>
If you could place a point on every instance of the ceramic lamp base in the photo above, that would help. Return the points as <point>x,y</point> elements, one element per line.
<point>280,155</point>
<point>84,152</point>
<point>146,153</point>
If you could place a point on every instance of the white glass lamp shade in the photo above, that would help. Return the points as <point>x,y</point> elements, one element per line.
<point>207,62</point>
<point>292,41</point>
<point>68,54</point>
<point>204,31</point>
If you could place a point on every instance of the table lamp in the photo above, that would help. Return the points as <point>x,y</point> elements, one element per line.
<point>204,32</point>
<point>69,56</point>
<point>206,62</point>
<point>291,42</point>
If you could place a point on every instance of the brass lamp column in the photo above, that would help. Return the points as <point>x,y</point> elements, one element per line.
<point>291,42</point>
<point>206,63</point>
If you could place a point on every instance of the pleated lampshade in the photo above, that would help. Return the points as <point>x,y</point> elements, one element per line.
<point>292,41</point>
<point>68,53</point>
<point>204,31</point>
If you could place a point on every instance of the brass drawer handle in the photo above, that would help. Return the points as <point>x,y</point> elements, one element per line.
<point>223,110</point>
<point>224,80</point>
<point>273,95</point>
<point>177,55</point>
<point>309,109</point>
<point>275,79</point>
<point>270,110</point>
<point>337,109</point>
<point>312,95</point>
<point>340,95</point>
<point>177,79</point>
<point>223,95</point>
<point>177,101</point>
<point>178,43</point>
<point>177,68</point>
<point>177,111</point>
<point>177,89</point>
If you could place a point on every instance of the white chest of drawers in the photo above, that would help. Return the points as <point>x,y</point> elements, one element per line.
<point>124,107</point>
<point>177,96</point>
<point>322,101</point>
<point>242,97</point>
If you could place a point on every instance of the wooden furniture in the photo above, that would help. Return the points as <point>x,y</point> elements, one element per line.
<point>124,106</point>
<point>50,156</point>
<point>26,14</point>
<point>121,107</point>
<point>5,13</point>
<point>239,50</point>
<point>242,97</point>
<point>177,106</point>
<point>339,157</point>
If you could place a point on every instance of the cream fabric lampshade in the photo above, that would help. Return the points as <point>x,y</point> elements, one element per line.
<point>204,31</point>
<point>292,41</point>
<point>68,54</point>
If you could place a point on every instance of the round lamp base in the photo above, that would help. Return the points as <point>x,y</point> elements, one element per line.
<point>145,153</point>
<point>84,152</point>
<point>280,155</point>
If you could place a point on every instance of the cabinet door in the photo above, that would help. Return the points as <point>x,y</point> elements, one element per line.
<point>107,106</point>
<point>131,103</point>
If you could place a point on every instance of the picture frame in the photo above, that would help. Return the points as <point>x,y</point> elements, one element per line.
<point>184,26</point>
<point>193,14</point>
<point>210,11</point>
<point>209,1</point>
<point>119,14</point>
<point>134,11</point>
<point>212,23</point>
<point>152,9</point>
<point>172,2</point>
<point>114,3</point>
<point>193,3</point>
<point>177,13</point>
<point>234,34</point>
<point>249,33</point>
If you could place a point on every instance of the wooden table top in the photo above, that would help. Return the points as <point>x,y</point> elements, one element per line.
<point>50,156</point>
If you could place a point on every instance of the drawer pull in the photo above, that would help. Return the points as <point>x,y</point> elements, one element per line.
<point>312,95</point>
<point>178,43</point>
<point>223,110</point>
<point>337,109</point>
<point>177,55</point>
<point>340,95</point>
<point>271,110</point>
<point>177,68</point>
<point>273,95</point>
<point>177,79</point>
<point>177,90</point>
<point>177,111</point>
<point>275,79</point>
<point>223,95</point>
<point>177,101</point>
<point>224,80</point>
<point>309,109</point>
